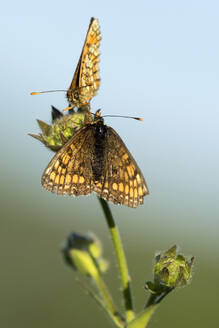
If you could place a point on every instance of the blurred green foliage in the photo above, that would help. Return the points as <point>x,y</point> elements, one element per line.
<point>38,289</point>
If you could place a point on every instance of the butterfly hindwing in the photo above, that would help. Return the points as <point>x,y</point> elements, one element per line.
<point>86,80</point>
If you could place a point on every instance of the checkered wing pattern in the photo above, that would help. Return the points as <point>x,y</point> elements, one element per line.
<point>96,159</point>
<point>122,181</point>
<point>86,80</point>
<point>69,172</point>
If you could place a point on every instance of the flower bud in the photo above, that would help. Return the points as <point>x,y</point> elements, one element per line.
<point>61,130</point>
<point>172,270</point>
<point>84,254</point>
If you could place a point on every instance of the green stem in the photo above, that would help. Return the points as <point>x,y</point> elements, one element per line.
<point>143,318</point>
<point>109,309</point>
<point>109,302</point>
<point>130,315</point>
<point>154,299</point>
<point>148,315</point>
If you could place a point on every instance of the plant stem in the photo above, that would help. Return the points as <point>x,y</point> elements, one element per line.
<point>130,315</point>
<point>143,318</point>
<point>157,298</point>
<point>116,318</point>
<point>148,315</point>
<point>109,302</point>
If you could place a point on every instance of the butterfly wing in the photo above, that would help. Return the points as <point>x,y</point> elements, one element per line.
<point>123,182</point>
<point>77,168</point>
<point>69,172</point>
<point>86,80</point>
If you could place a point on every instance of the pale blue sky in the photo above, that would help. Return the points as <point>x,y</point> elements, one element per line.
<point>159,60</point>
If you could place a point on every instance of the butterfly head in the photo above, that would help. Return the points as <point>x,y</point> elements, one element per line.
<point>98,126</point>
<point>97,116</point>
<point>74,97</point>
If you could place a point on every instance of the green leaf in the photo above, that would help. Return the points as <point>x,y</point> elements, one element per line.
<point>45,128</point>
<point>143,318</point>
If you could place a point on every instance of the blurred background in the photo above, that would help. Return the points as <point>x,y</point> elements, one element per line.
<point>159,61</point>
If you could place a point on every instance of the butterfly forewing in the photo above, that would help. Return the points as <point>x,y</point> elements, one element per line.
<point>86,80</point>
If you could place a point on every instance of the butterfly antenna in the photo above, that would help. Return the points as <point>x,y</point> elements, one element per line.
<point>38,92</point>
<point>134,118</point>
<point>48,91</point>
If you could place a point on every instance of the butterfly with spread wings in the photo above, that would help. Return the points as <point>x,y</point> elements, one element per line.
<point>86,80</point>
<point>96,159</point>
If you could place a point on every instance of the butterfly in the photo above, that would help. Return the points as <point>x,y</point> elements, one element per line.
<point>96,159</point>
<point>86,80</point>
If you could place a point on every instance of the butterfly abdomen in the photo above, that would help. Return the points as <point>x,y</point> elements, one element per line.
<point>99,131</point>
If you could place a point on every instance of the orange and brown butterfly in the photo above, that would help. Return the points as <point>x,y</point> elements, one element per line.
<point>96,159</point>
<point>86,80</point>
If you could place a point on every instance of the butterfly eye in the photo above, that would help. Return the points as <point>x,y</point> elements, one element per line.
<point>76,95</point>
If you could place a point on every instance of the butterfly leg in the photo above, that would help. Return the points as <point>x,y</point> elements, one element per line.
<point>68,108</point>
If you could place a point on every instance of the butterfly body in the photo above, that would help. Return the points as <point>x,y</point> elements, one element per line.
<point>99,133</point>
<point>96,159</point>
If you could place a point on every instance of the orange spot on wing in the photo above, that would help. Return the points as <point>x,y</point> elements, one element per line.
<point>126,177</point>
<point>125,157</point>
<point>56,165</point>
<point>65,159</point>
<point>62,178</point>
<point>99,185</point>
<point>81,179</point>
<point>138,178</point>
<point>130,171</point>
<point>57,179</point>
<point>70,166</point>
<point>63,171</point>
<point>68,179</point>
<point>140,191</point>
<point>121,187</point>
<point>115,186</point>
<point>135,193</point>
<point>75,178</point>
<point>52,176</point>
